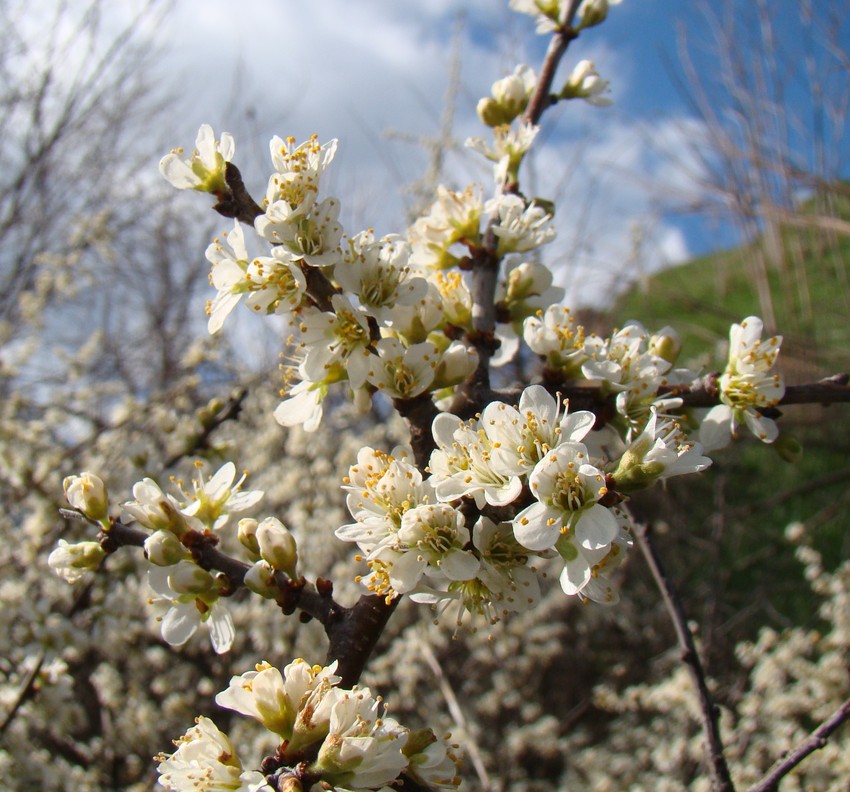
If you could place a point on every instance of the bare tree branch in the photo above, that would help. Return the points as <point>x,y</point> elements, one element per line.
<point>709,712</point>
<point>815,741</point>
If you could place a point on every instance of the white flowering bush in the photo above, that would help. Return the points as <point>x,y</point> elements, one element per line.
<point>465,508</point>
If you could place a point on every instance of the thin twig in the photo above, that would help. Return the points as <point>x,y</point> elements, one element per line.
<point>456,712</point>
<point>815,741</point>
<point>709,712</point>
<point>230,411</point>
<point>26,690</point>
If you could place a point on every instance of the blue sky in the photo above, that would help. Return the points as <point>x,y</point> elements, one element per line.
<point>372,71</point>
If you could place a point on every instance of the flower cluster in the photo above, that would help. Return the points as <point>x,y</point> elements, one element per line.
<point>379,314</point>
<point>329,738</point>
<point>185,595</point>
<point>539,468</point>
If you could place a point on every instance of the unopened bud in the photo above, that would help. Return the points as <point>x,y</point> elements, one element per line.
<point>73,561</point>
<point>188,578</point>
<point>87,493</point>
<point>260,579</point>
<point>492,113</point>
<point>593,12</point>
<point>418,741</point>
<point>277,546</point>
<point>246,531</point>
<point>666,344</point>
<point>585,83</point>
<point>163,548</point>
<point>456,364</point>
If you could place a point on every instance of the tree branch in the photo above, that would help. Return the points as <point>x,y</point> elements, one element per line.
<point>200,441</point>
<point>709,712</point>
<point>352,632</point>
<point>815,741</point>
<point>237,202</point>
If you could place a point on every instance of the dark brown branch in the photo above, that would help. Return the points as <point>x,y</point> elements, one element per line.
<point>237,202</point>
<point>485,260</point>
<point>709,712</point>
<point>352,632</point>
<point>293,594</point>
<point>541,99</point>
<point>319,288</point>
<point>829,390</point>
<point>703,393</point>
<point>419,413</point>
<point>814,742</point>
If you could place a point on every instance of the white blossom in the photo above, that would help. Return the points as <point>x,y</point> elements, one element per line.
<point>189,597</point>
<point>567,488</point>
<point>558,338</point>
<point>363,748</point>
<point>205,761</point>
<point>214,501</point>
<point>378,272</point>
<point>400,372</point>
<point>273,698</point>
<point>204,169</point>
<point>747,384</point>
<point>520,227</point>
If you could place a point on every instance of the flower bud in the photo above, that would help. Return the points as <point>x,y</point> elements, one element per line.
<point>585,83</point>
<point>666,344</point>
<point>456,364</point>
<point>491,113</point>
<point>188,578</point>
<point>163,548</point>
<point>73,561</point>
<point>277,546</point>
<point>260,579</point>
<point>87,493</point>
<point>593,12</point>
<point>418,740</point>
<point>246,531</point>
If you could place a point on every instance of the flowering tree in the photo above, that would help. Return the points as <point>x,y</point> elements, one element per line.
<point>496,489</point>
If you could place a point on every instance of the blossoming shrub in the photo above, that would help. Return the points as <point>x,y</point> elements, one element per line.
<point>490,496</point>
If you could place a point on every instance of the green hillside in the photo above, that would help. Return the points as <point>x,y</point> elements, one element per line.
<point>726,535</point>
